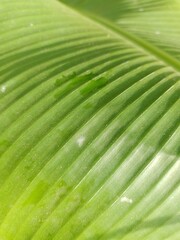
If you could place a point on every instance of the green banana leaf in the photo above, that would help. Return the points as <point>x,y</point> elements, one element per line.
<point>89,119</point>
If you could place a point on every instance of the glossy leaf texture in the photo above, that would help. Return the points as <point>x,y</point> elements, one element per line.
<point>89,120</point>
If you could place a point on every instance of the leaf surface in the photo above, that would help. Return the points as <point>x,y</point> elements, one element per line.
<point>89,101</point>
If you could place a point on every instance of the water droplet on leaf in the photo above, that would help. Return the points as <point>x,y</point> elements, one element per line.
<point>80,141</point>
<point>126,200</point>
<point>3,88</point>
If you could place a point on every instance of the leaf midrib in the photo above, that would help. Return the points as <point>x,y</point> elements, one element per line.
<point>137,42</point>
